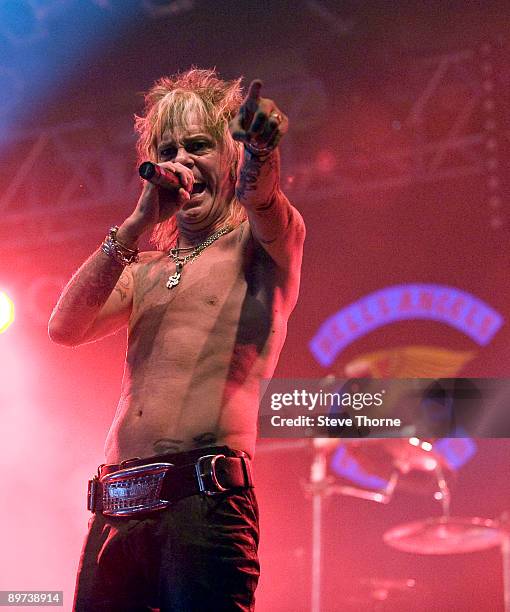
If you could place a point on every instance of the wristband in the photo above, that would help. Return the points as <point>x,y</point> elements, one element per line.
<point>116,250</point>
<point>259,152</point>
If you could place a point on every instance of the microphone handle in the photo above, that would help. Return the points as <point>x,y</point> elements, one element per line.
<point>159,176</point>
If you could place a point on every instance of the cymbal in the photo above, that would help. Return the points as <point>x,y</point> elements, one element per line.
<point>405,454</point>
<point>445,536</point>
<point>410,454</point>
<point>415,464</point>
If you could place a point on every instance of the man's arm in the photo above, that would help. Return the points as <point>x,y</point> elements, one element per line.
<point>97,300</point>
<point>95,303</point>
<point>275,223</point>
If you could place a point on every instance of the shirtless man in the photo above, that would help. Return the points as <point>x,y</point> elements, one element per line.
<point>207,318</point>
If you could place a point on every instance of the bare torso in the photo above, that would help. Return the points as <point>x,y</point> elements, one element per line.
<point>197,352</point>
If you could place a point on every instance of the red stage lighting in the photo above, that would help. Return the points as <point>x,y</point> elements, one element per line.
<point>325,162</point>
<point>6,311</point>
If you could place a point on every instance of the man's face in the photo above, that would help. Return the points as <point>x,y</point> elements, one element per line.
<point>196,149</point>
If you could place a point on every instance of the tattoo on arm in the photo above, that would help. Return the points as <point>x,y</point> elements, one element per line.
<point>90,286</point>
<point>271,215</point>
<point>86,293</point>
<point>258,175</point>
<point>123,285</point>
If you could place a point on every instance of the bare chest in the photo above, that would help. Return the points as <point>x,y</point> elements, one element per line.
<point>228,291</point>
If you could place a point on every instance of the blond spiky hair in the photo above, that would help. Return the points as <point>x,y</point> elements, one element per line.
<point>168,104</point>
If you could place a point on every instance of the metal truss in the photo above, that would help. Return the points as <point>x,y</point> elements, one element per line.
<point>71,179</point>
<point>424,147</point>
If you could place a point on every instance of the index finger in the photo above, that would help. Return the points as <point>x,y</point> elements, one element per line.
<point>243,119</point>
<point>254,90</point>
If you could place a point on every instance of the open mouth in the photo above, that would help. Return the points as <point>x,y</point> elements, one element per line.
<point>198,188</point>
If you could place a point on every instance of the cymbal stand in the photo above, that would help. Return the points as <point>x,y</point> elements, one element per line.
<point>319,486</point>
<point>443,495</point>
<point>505,553</point>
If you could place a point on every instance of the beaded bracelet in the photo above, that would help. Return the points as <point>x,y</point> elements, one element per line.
<point>116,250</point>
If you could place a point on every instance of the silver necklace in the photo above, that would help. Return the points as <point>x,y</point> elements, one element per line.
<point>178,249</point>
<point>180,262</point>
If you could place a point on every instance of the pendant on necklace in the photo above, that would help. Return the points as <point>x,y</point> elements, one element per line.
<point>174,279</point>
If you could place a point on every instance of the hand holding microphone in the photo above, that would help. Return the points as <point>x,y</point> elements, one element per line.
<point>174,182</point>
<point>157,175</point>
<point>166,190</point>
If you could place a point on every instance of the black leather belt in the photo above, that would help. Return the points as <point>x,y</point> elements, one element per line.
<point>145,485</point>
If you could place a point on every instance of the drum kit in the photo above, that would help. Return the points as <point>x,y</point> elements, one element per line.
<point>446,534</point>
<point>442,535</point>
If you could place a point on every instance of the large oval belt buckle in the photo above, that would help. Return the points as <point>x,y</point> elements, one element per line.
<point>133,490</point>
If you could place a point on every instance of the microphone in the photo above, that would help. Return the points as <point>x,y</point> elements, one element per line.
<point>159,176</point>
